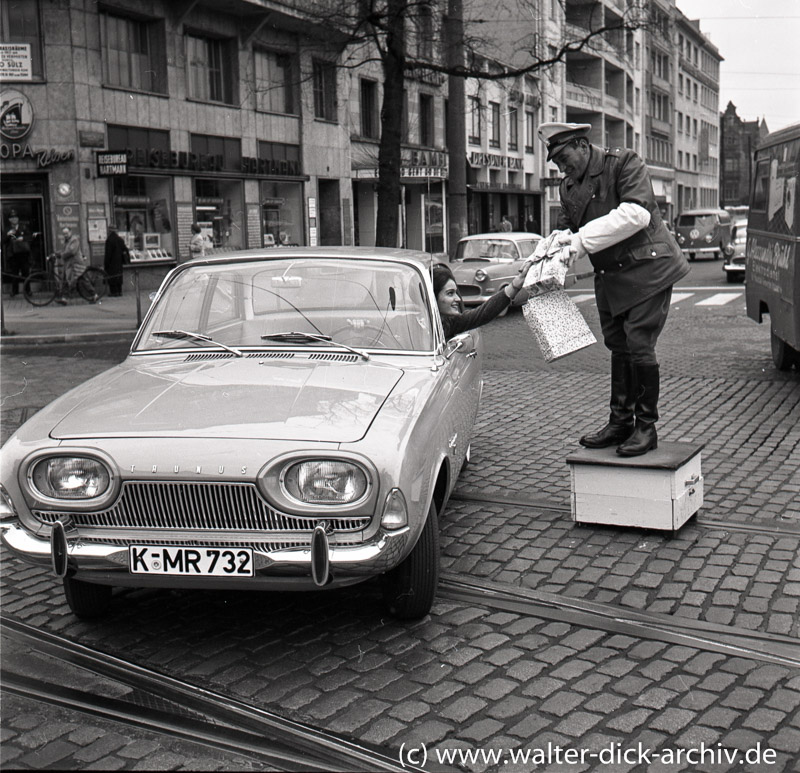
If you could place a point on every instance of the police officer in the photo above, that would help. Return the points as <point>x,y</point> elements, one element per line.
<point>608,205</point>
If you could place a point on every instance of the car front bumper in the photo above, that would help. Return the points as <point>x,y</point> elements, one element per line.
<point>288,568</point>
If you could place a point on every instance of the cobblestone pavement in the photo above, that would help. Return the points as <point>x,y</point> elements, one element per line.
<point>472,677</point>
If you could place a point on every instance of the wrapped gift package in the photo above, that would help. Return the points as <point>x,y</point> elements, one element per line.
<point>545,275</point>
<point>557,324</point>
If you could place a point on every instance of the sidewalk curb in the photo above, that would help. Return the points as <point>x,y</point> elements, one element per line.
<point>11,340</point>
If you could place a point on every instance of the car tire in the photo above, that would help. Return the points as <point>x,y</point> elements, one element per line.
<point>783,356</point>
<point>87,600</point>
<point>731,277</point>
<point>410,588</point>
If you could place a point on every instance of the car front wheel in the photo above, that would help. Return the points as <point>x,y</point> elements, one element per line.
<point>410,588</point>
<point>87,600</point>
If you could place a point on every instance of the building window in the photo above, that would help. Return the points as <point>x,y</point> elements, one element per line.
<point>424,30</point>
<point>133,54</point>
<point>513,129</point>
<point>679,122</point>
<point>494,124</point>
<point>680,159</point>
<point>19,23</point>
<point>369,109</point>
<point>275,79</point>
<point>210,69</point>
<point>426,120</point>
<point>530,131</point>
<point>475,121</point>
<point>324,75</point>
<point>404,118</point>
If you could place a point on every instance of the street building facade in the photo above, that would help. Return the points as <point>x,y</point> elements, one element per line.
<point>696,118</point>
<point>254,121</point>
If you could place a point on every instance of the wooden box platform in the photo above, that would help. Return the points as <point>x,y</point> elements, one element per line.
<point>661,489</point>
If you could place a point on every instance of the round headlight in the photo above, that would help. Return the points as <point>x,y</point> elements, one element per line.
<point>480,275</point>
<point>681,239</point>
<point>709,237</point>
<point>70,477</point>
<point>325,482</point>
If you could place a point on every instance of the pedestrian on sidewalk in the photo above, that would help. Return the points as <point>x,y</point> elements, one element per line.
<point>505,224</point>
<point>451,308</point>
<point>17,251</point>
<point>116,255</point>
<point>73,263</point>
<point>608,203</point>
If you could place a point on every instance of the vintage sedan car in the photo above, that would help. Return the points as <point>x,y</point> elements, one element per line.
<point>291,419</point>
<point>485,263</point>
<point>734,265</point>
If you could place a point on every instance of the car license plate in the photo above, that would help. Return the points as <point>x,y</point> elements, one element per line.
<point>190,562</point>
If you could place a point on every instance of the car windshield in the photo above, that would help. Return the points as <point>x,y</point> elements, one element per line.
<point>482,249</point>
<point>361,303</point>
<point>697,221</point>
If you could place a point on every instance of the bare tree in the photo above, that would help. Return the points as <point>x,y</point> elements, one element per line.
<point>378,30</point>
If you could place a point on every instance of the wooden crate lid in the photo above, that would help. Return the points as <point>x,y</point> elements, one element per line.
<point>668,456</point>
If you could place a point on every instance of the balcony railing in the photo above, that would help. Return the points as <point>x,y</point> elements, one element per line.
<point>585,96</point>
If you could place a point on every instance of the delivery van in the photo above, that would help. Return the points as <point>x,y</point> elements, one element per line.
<point>772,273</point>
<point>706,232</point>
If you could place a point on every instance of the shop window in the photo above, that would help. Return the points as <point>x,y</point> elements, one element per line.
<point>211,69</point>
<point>324,76</point>
<point>219,212</point>
<point>19,23</point>
<point>143,216</point>
<point>133,53</point>
<point>275,82</point>
<point>282,213</point>
<point>426,120</point>
<point>369,109</point>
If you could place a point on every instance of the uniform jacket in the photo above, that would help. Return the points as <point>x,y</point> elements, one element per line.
<point>640,266</point>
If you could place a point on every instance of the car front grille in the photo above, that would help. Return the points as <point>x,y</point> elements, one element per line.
<point>228,507</point>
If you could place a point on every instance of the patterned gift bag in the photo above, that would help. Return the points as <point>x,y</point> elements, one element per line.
<point>556,323</point>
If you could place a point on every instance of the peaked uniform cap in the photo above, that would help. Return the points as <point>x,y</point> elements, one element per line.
<point>555,134</point>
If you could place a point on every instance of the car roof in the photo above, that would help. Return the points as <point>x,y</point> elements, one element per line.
<point>502,235</point>
<point>267,253</point>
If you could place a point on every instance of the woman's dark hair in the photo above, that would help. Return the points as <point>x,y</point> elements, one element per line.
<point>441,274</point>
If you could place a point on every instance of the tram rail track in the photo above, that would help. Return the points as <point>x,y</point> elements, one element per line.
<point>182,710</point>
<point>789,529</point>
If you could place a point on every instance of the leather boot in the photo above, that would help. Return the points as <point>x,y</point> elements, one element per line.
<point>644,437</point>
<point>620,423</point>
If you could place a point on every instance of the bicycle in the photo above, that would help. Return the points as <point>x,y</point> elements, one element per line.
<point>43,287</point>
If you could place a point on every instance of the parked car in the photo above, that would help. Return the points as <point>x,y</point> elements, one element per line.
<point>484,263</point>
<point>734,265</point>
<point>288,419</point>
<point>705,232</point>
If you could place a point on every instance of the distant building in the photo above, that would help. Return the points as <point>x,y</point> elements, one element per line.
<point>739,141</point>
<point>697,142</point>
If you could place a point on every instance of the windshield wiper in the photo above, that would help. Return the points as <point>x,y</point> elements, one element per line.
<point>197,337</point>
<point>299,338</point>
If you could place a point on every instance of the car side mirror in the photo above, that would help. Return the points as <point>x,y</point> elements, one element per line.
<point>463,343</point>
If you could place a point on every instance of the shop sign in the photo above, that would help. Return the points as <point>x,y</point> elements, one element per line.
<point>156,158</point>
<point>492,159</point>
<point>271,166</point>
<point>89,139</point>
<point>43,158</point>
<point>16,114</point>
<point>551,182</point>
<point>112,164</point>
<point>15,62</point>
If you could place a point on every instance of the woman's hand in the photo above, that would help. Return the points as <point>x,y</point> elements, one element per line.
<point>516,283</point>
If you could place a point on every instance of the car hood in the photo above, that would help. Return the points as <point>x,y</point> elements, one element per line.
<point>288,399</point>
